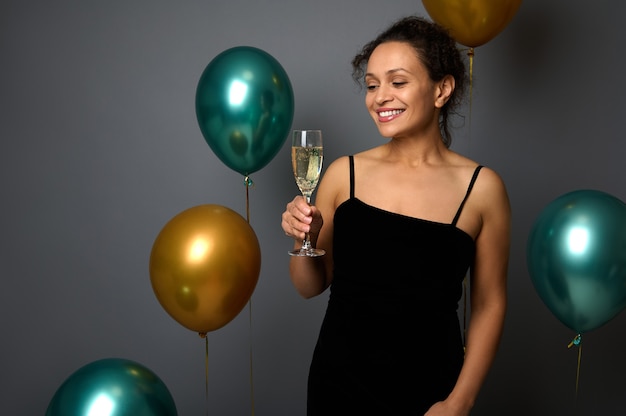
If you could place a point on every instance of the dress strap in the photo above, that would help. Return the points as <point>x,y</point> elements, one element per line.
<point>351,157</point>
<point>469,189</point>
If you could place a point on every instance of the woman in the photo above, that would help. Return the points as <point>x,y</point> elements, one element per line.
<point>401,224</point>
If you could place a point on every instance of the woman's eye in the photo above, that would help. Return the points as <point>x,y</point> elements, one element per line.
<point>398,84</point>
<point>371,87</point>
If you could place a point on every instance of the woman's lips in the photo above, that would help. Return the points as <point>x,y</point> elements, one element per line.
<point>385,115</point>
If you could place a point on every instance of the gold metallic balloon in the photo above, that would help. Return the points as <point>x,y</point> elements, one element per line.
<point>472,22</point>
<point>204,266</point>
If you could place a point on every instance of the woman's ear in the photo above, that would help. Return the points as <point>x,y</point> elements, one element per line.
<point>444,90</point>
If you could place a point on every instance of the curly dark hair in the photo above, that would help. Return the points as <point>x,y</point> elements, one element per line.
<point>435,48</point>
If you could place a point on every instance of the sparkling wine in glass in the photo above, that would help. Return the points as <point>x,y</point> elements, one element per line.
<point>306,160</point>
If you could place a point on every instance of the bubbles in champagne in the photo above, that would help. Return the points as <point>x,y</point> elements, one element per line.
<point>307,165</point>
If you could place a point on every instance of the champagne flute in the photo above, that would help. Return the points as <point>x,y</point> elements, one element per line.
<point>306,160</point>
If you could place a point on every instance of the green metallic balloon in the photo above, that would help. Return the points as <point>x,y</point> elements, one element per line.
<point>576,256</point>
<point>244,107</point>
<point>112,387</point>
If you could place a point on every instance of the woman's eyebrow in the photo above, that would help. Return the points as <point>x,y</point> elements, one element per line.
<point>391,71</point>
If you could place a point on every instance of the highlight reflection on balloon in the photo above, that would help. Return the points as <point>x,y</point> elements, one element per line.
<point>204,266</point>
<point>244,107</point>
<point>472,22</point>
<point>576,257</point>
<point>112,387</point>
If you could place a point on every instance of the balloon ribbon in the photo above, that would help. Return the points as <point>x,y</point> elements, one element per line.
<point>470,53</point>
<point>248,183</point>
<point>206,369</point>
<point>464,313</point>
<point>577,341</point>
<point>251,381</point>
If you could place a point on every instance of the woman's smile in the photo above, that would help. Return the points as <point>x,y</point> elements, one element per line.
<point>385,115</point>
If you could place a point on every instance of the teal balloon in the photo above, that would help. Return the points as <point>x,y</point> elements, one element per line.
<point>576,257</point>
<point>244,107</point>
<point>112,387</point>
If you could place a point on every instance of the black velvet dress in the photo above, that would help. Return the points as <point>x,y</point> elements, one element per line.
<point>390,342</point>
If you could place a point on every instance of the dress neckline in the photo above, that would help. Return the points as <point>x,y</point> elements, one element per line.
<point>408,217</point>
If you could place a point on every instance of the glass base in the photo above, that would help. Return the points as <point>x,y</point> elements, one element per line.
<point>311,252</point>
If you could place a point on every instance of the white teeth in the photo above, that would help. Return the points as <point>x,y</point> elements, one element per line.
<point>389,113</point>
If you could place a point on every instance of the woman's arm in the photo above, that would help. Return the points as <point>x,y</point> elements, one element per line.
<point>487,295</point>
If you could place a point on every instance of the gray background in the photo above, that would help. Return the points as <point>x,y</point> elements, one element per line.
<point>100,148</point>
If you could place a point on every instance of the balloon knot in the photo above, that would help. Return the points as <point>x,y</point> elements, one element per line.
<point>576,341</point>
<point>202,334</point>
<point>248,182</point>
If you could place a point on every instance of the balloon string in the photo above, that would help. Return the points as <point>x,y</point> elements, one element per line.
<point>248,182</point>
<point>206,370</point>
<point>464,313</point>
<point>251,378</point>
<point>470,53</point>
<point>577,341</point>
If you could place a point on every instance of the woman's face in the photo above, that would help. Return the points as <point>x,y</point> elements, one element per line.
<point>401,97</point>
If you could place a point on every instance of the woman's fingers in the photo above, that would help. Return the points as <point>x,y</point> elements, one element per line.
<point>296,218</point>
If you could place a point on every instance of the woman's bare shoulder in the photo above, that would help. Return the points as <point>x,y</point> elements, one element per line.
<point>335,184</point>
<point>487,177</point>
<point>491,191</point>
<point>490,180</point>
<point>337,168</point>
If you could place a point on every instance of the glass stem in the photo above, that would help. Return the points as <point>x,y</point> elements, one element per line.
<point>306,244</point>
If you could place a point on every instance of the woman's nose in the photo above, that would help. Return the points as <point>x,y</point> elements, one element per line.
<point>382,95</point>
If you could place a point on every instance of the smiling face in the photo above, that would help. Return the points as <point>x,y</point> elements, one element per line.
<point>401,97</point>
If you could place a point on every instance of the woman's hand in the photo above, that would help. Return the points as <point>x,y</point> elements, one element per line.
<point>300,218</point>
<point>309,275</point>
<point>446,409</point>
